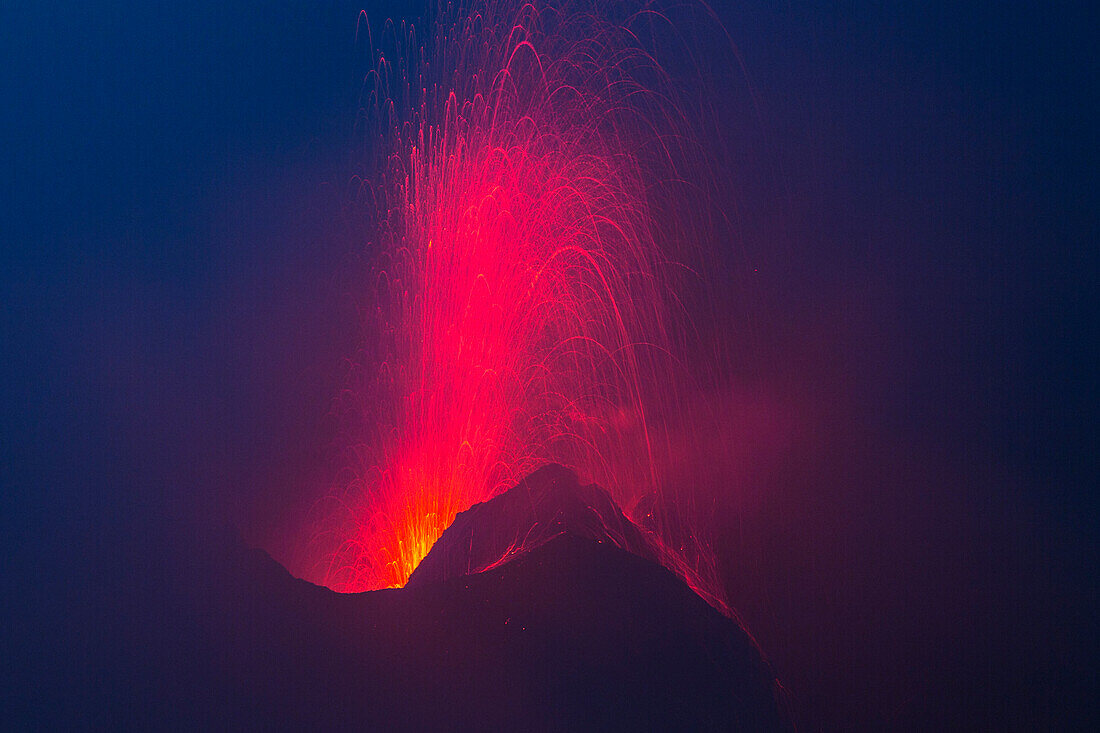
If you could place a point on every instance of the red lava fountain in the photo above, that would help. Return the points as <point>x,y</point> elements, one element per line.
<point>523,308</point>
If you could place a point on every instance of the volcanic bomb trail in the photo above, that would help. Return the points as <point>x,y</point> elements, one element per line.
<point>524,306</point>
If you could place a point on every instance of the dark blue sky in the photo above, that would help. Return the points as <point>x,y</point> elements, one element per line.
<point>915,190</point>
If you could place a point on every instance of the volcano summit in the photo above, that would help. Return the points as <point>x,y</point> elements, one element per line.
<point>572,626</point>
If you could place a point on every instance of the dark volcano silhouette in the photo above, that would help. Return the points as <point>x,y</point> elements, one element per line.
<point>547,504</point>
<point>579,631</point>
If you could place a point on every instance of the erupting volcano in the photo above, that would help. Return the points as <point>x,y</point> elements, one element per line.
<point>526,163</point>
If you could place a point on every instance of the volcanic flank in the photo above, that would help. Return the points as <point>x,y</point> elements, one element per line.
<point>574,626</point>
<point>549,503</point>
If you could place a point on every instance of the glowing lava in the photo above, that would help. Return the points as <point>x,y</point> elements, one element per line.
<point>524,307</point>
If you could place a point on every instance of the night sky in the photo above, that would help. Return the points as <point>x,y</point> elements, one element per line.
<point>907,523</point>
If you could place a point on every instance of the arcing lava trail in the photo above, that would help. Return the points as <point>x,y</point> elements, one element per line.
<point>525,309</point>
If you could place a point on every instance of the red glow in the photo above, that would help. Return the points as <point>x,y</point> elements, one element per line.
<point>524,301</point>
